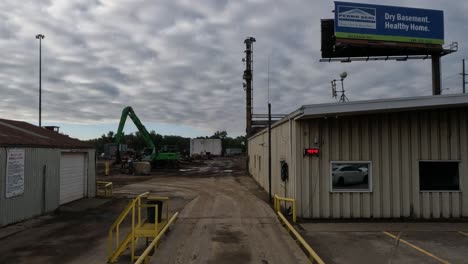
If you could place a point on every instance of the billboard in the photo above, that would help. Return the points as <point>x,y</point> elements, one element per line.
<point>388,23</point>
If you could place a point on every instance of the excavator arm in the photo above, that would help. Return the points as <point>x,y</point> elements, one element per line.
<point>128,112</point>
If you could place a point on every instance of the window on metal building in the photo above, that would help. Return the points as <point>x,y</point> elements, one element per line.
<point>351,176</point>
<point>439,176</point>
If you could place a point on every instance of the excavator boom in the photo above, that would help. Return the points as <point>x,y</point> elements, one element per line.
<point>128,112</point>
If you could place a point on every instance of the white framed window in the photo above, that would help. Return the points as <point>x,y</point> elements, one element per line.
<point>351,176</point>
<point>439,175</point>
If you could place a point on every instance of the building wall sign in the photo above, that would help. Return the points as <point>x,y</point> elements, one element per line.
<point>14,173</point>
<point>388,23</point>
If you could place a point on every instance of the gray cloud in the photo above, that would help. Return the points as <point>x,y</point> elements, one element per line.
<point>179,62</point>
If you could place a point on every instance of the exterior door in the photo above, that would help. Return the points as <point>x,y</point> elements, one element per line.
<point>72,177</point>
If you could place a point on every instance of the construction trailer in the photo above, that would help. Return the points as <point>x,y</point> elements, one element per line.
<point>392,158</point>
<point>204,146</point>
<point>40,170</point>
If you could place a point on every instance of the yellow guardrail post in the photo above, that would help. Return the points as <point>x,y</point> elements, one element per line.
<point>133,233</point>
<point>313,257</point>
<point>107,168</point>
<point>103,186</point>
<point>277,206</point>
<point>312,254</point>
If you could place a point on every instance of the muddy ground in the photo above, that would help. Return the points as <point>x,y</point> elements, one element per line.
<point>223,219</point>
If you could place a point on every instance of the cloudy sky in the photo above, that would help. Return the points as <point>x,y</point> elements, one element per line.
<point>178,63</point>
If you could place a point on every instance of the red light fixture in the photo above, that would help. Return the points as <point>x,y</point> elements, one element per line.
<point>311,151</point>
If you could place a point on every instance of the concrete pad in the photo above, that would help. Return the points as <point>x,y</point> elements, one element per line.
<point>380,226</point>
<point>366,242</point>
<point>450,246</point>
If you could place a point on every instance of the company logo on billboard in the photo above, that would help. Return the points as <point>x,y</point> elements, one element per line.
<point>357,17</point>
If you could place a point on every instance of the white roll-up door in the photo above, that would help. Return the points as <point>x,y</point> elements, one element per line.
<point>72,177</point>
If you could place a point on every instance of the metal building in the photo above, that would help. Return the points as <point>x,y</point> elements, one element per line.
<point>40,170</point>
<point>370,159</point>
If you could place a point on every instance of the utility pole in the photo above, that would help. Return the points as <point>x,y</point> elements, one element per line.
<point>269,150</point>
<point>40,37</point>
<point>248,82</point>
<point>464,75</point>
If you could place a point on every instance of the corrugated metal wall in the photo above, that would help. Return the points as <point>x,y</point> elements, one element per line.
<point>395,143</point>
<point>33,202</point>
<point>281,150</point>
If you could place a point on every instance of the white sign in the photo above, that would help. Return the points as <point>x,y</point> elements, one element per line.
<point>14,173</point>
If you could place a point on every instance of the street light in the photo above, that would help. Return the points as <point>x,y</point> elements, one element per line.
<point>40,37</point>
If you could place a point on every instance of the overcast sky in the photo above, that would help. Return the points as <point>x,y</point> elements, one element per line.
<point>178,63</point>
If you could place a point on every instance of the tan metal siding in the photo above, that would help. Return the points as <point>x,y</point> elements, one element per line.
<point>395,143</point>
<point>31,203</point>
<point>281,150</point>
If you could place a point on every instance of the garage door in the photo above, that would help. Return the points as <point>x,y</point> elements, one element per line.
<point>72,177</point>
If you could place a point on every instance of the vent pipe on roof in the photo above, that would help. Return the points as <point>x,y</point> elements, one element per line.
<point>52,128</point>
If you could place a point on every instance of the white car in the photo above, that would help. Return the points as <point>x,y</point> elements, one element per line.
<point>349,174</point>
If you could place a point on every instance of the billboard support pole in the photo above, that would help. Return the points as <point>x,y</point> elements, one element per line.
<point>436,81</point>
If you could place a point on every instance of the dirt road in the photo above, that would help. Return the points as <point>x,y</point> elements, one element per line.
<point>223,219</point>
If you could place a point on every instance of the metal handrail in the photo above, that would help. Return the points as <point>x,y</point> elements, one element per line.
<point>145,255</point>
<point>277,206</point>
<point>120,219</point>
<point>312,254</point>
<point>106,185</point>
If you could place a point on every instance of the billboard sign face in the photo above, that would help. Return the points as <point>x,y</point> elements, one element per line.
<point>388,23</point>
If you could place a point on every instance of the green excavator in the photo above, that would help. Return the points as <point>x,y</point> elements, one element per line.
<point>157,157</point>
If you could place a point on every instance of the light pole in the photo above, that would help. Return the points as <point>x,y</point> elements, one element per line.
<point>40,37</point>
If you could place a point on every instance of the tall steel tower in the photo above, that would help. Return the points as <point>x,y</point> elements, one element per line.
<point>248,81</point>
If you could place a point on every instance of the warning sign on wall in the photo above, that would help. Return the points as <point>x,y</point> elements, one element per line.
<point>14,173</point>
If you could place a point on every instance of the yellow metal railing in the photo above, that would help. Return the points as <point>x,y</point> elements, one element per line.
<point>115,245</point>
<point>277,205</point>
<point>313,257</point>
<point>140,228</point>
<point>104,188</point>
<point>145,256</point>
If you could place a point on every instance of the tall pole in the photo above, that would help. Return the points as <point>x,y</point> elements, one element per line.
<point>436,81</point>
<point>248,79</point>
<point>464,75</point>
<point>40,37</point>
<point>269,150</point>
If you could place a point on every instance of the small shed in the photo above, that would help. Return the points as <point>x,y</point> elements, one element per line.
<point>392,158</point>
<point>40,170</point>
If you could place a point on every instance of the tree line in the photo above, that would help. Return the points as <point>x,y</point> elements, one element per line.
<point>136,141</point>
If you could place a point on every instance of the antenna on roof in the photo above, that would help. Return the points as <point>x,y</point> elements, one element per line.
<point>333,86</point>
<point>343,97</point>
